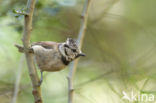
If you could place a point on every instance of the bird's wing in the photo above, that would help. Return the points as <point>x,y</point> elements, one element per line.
<point>46,44</point>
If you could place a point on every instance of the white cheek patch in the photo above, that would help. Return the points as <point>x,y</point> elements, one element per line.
<point>61,48</point>
<point>67,42</point>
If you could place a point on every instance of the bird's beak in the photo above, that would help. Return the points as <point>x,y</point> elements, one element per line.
<point>81,54</point>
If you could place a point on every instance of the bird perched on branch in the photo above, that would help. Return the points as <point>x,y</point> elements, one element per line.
<point>52,56</point>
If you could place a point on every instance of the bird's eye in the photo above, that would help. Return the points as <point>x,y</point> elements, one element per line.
<point>74,50</point>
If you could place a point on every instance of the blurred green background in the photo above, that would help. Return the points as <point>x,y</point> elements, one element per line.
<point>120,44</point>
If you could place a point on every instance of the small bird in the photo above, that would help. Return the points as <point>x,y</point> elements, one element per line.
<point>52,56</point>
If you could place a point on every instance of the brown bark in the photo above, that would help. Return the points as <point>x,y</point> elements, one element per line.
<point>29,56</point>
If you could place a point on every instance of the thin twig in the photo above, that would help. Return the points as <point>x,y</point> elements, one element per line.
<point>29,56</point>
<point>73,66</point>
<point>21,13</point>
<point>18,78</point>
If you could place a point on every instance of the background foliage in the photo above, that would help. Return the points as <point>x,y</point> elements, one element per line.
<point>120,46</point>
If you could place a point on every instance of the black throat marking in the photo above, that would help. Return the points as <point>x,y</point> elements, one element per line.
<point>63,58</point>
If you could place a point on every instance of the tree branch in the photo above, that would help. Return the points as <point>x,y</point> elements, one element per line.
<point>73,66</point>
<point>29,56</point>
<point>20,12</point>
<point>18,79</point>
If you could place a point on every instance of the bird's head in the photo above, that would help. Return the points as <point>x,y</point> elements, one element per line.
<point>71,50</point>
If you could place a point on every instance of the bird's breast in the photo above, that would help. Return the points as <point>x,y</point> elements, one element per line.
<point>48,59</point>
